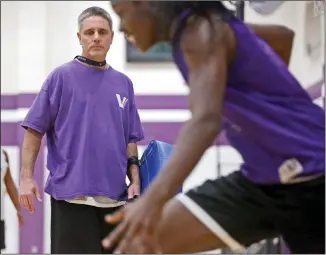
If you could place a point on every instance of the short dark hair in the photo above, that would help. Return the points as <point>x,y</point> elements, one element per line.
<point>168,11</point>
<point>171,9</point>
<point>94,11</point>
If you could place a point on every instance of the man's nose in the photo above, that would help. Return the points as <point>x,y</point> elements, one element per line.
<point>96,36</point>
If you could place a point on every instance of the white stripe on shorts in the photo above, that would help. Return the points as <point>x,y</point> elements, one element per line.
<point>210,223</point>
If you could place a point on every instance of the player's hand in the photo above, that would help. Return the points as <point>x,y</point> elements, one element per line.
<point>28,189</point>
<point>133,191</point>
<point>137,230</point>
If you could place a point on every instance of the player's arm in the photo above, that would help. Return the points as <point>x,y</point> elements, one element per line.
<point>10,185</point>
<point>206,51</point>
<point>280,38</point>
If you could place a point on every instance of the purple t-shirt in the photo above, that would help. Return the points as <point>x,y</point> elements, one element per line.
<point>89,117</point>
<point>267,116</point>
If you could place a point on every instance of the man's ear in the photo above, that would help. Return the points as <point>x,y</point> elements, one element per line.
<point>79,37</point>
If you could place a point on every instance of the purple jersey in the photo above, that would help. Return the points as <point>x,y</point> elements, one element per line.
<point>89,117</point>
<point>268,117</point>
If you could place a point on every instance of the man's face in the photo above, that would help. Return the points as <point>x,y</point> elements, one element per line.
<point>95,37</point>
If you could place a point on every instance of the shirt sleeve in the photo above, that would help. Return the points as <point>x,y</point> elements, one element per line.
<point>136,132</point>
<point>43,112</point>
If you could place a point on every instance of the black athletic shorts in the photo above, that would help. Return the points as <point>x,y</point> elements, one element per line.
<point>2,235</point>
<point>78,229</point>
<point>241,212</point>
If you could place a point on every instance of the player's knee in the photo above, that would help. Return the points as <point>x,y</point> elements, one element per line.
<point>181,232</point>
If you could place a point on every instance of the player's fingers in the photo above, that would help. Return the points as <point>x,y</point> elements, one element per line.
<point>115,217</point>
<point>114,237</point>
<point>145,245</point>
<point>121,249</point>
<point>125,241</point>
<point>134,230</point>
<point>136,245</point>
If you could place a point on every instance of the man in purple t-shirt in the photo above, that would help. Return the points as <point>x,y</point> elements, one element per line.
<point>87,111</point>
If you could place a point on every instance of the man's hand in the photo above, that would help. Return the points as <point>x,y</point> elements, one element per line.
<point>137,231</point>
<point>28,189</point>
<point>133,190</point>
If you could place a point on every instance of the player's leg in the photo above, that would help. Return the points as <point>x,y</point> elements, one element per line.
<point>227,212</point>
<point>303,222</point>
<point>74,229</point>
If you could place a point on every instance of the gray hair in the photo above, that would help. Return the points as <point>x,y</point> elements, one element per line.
<point>94,11</point>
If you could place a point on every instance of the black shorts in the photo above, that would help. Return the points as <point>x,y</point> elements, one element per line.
<point>2,235</point>
<point>78,229</point>
<point>241,212</point>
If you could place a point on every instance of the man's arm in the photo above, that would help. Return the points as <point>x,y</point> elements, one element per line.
<point>28,186</point>
<point>133,170</point>
<point>39,120</point>
<point>280,38</point>
<point>136,134</point>
<point>30,149</point>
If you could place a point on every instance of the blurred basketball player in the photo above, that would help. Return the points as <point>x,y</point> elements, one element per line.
<point>8,185</point>
<point>239,82</point>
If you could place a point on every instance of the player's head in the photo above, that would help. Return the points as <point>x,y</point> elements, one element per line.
<point>146,23</point>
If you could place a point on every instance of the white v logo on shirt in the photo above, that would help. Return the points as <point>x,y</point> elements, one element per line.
<point>122,103</point>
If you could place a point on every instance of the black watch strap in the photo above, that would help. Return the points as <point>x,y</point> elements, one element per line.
<point>133,161</point>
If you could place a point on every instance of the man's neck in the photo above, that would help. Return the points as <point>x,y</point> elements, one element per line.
<point>96,67</point>
<point>100,59</point>
<point>95,58</point>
